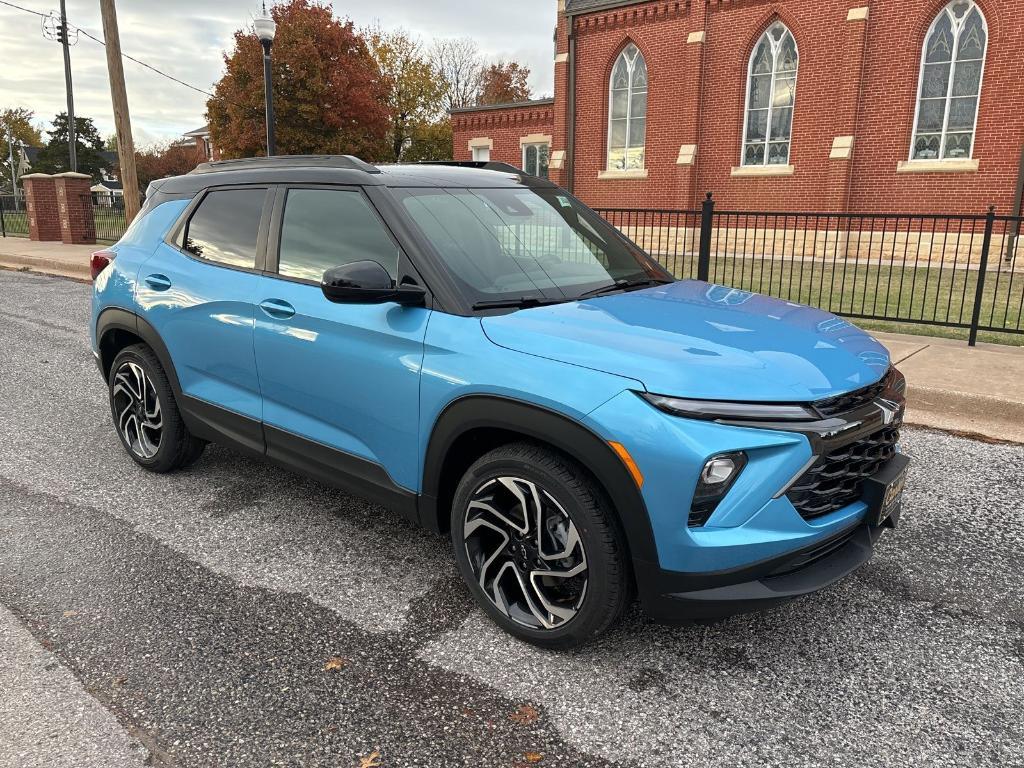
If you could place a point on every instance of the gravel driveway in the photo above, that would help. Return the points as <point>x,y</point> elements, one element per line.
<point>234,614</point>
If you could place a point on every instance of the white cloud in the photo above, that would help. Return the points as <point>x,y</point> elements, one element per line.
<point>186,38</point>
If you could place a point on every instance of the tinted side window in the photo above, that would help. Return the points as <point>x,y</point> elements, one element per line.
<point>225,226</point>
<point>326,228</point>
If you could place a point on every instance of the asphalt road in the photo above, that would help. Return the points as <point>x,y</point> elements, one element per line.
<point>186,620</point>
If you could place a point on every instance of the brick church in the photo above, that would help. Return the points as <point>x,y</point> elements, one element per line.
<point>874,106</point>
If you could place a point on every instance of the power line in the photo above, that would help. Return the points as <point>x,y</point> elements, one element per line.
<point>125,55</point>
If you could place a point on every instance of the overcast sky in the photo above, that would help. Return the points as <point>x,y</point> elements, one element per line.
<point>186,38</point>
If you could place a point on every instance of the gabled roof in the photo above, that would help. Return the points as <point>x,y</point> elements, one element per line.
<point>201,132</point>
<point>109,184</point>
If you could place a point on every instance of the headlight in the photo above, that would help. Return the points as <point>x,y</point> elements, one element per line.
<point>712,410</point>
<point>716,478</point>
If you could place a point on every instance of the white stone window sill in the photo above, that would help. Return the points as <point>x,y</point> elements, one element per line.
<point>635,173</point>
<point>759,171</point>
<point>938,166</point>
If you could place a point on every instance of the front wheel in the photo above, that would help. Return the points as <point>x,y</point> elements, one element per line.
<point>537,545</point>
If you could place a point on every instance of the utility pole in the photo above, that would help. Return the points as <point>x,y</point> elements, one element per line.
<point>122,119</point>
<point>62,36</point>
<point>14,171</point>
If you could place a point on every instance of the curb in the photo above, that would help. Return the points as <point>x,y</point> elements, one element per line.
<point>991,417</point>
<point>47,266</point>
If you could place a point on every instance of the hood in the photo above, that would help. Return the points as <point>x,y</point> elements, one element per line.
<point>693,339</point>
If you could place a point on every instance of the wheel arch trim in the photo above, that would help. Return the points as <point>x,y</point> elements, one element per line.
<point>473,412</point>
<point>114,318</point>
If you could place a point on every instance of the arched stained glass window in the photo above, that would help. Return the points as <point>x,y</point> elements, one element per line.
<point>627,112</point>
<point>950,86</point>
<point>771,95</point>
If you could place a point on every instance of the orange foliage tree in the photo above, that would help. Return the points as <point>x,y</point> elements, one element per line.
<point>329,95</point>
<point>503,83</point>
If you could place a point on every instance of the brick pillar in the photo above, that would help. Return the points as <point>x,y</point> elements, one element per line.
<point>74,201</point>
<point>41,206</point>
<point>558,162</point>
<point>689,118</point>
<point>848,79</point>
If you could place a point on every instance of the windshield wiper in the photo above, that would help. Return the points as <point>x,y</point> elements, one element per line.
<point>523,302</point>
<point>623,285</point>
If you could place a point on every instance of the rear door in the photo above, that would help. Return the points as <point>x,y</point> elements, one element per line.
<point>340,382</point>
<point>198,293</point>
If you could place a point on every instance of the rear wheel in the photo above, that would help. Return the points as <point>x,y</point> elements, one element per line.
<point>537,546</point>
<point>146,415</point>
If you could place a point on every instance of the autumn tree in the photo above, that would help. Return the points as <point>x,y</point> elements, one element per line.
<point>53,158</point>
<point>19,121</point>
<point>415,93</point>
<point>458,67</point>
<point>503,83</point>
<point>329,94</point>
<point>163,160</point>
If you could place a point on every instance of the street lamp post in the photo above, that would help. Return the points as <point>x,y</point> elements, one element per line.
<point>265,28</point>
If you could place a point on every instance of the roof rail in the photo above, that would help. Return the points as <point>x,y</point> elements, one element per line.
<point>349,162</point>
<point>485,165</point>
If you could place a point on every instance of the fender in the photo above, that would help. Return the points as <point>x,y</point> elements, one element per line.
<point>567,435</point>
<point>112,319</point>
<point>203,419</point>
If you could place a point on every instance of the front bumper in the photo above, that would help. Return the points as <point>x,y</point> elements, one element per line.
<point>683,598</point>
<point>756,550</point>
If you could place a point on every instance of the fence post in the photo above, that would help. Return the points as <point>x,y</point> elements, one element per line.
<point>979,293</point>
<point>707,219</point>
<point>3,224</point>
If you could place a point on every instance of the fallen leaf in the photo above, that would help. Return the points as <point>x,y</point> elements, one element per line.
<point>69,614</point>
<point>533,757</point>
<point>372,760</point>
<point>335,664</point>
<point>525,715</point>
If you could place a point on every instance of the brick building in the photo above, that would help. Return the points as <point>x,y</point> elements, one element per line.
<point>843,105</point>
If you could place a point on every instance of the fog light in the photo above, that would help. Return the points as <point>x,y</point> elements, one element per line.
<point>716,478</point>
<point>718,470</point>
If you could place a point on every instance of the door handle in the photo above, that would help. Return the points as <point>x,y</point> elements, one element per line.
<point>158,282</point>
<point>278,309</point>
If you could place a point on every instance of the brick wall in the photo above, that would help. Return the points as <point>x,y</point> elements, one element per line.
<point>858,76</point>
<point>41,206</point>
<point>503,127</point>
<point>74,204</point>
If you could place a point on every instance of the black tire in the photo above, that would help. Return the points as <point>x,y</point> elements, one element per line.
<point>576,496</point>
<point>161,450</point>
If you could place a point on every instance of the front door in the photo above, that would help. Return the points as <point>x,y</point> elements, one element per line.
<point>340,382</point>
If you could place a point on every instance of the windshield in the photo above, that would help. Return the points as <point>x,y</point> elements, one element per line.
<point>525,243</point>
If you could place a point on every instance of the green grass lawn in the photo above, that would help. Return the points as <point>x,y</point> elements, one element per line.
<point>851,289</point>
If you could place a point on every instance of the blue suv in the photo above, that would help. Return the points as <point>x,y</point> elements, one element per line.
<point>475,349</point>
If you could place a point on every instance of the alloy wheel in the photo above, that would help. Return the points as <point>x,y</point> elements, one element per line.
<point>525,552</point>
<point>136,409</point>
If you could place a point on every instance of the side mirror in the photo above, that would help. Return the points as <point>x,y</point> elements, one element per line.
<point>367,282</point>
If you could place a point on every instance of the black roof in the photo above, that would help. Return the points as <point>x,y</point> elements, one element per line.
<point>345,169</point>
<point>505,105</point>
<point>583,6</point>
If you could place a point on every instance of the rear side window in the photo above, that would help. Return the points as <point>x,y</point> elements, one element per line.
<point>326,228</point>
<point>225,227</point>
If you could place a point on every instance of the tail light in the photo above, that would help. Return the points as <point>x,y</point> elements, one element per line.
<point>99,261</point>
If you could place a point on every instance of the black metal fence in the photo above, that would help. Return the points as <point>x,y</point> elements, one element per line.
<point>952,271</point>
<point>110,219</point>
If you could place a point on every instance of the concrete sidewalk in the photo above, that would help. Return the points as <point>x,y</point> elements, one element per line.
<point>977,391</point>
<point>951,386</point>
<point>52,258</point>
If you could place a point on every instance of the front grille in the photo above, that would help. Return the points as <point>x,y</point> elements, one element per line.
<point>833,406</point>
<point>835,479</point>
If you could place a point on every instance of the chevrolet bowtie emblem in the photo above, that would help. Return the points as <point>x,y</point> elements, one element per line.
<point>889,410</point>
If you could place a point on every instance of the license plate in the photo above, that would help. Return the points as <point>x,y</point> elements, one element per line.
<point>883,492</point>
